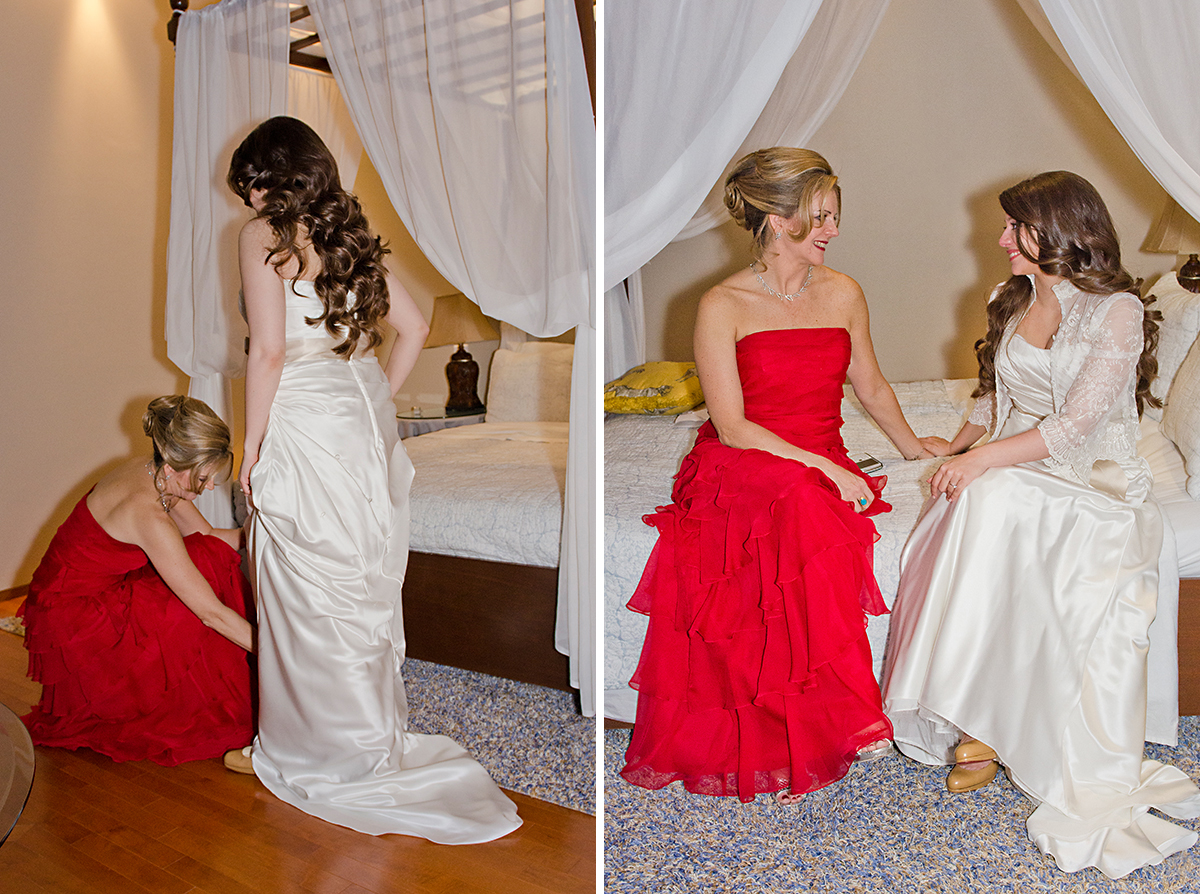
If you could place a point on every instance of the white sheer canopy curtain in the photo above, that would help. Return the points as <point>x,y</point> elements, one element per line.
<point>478,119</point>
<point>231,70</point>
<point>729,77</point>
<point>1138,60</point>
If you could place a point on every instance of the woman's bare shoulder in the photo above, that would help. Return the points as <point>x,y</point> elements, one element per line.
<point>731,294</point>
<point>841,285</point>
<point>256,233</point>
<point>123,501</point>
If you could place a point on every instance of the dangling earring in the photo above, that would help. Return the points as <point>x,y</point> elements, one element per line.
<point>778,235</point>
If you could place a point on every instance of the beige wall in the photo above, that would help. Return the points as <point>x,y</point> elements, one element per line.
<point>953,102</point>
<point>84,163</point>
<point>85,155</point>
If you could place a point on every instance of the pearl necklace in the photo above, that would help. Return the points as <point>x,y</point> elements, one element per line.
<point>162,497</point>
<point>762,282</point>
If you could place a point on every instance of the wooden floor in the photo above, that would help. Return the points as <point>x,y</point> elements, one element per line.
<point>93,826</point>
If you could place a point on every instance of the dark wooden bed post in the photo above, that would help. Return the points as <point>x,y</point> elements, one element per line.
<point>179,7</point>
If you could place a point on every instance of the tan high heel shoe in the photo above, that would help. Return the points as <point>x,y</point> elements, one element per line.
<point>970,750</point>
<point>238,760</point>
<point>975,766</point>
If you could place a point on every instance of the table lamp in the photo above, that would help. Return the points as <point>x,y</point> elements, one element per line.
<point>1177,232</point>
<point>456,321</point>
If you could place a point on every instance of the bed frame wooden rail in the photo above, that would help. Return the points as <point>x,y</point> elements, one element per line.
<point>491,617</point>
<point>1189,646</point>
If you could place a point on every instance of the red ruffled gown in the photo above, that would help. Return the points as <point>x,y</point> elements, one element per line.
<point>126,668</point>
<point>755,674</point>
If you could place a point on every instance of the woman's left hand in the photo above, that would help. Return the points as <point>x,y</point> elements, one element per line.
<point>955,474</point>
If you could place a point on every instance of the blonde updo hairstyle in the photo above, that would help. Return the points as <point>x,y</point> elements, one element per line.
<point>782,181</point>
<point>187,434</point>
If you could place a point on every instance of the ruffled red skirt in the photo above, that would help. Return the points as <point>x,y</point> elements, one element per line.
<point>756,673</point>
<point>126,668</point>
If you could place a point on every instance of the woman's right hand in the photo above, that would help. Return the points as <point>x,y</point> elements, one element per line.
<point>853,488</point>
<point>248,461</point>
<point>935,446</point>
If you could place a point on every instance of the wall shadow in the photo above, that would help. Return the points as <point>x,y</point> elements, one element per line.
<point>130,424</point>
<point>991,268</point>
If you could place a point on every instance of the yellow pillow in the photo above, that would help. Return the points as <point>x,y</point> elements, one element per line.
<point>658,388</point>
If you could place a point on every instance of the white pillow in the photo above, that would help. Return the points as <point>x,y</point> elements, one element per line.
<point>530,386</point>
<point>547,347</point>
<point>1181,418</point>
<point>1176,333</point>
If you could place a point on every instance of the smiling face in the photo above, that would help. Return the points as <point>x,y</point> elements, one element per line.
<point>1018,262</point>
<point>824,215</point>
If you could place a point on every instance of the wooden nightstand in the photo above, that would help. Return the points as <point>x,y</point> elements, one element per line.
<point>423,420</point>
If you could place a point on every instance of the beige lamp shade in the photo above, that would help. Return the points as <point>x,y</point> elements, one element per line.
<point>1175,232</point>
<point>457,320</point>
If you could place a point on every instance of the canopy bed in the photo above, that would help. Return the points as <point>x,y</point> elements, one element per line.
<point>436,94</point>
<point>487,509</point>
<point>663,185</point>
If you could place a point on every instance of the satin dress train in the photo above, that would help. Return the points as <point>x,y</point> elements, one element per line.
<point>755,675</point>
<point>126,668</point>
<point>329,540</point>
<point>1021,620</point>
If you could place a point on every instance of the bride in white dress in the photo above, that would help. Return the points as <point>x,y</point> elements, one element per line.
<point>328,482</point>
<point>1020,631</point>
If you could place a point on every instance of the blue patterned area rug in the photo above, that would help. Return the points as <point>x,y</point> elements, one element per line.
<point>889,826</point>
<point>528,737</point>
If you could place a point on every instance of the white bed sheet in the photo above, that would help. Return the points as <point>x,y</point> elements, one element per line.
<point>491,491</point>
<point>642,455</point>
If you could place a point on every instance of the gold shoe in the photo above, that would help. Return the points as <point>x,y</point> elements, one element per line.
<point>967,779</point>
<point>238,760</point>
<point>971,750</point>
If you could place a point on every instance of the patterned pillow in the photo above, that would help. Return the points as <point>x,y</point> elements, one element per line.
<point>658,388</point>
<point>530,386</point>
<point>1181,418</point>
<point>1178,330</point>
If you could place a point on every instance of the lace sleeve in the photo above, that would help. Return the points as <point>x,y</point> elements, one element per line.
<point>984,411</point>
<point>1114,344</point>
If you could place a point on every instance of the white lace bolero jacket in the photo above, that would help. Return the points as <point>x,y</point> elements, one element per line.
<point>1093,376</point>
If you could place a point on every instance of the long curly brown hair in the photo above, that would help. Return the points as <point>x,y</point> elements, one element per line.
<point>304,198</point>
<point>1065,217</point>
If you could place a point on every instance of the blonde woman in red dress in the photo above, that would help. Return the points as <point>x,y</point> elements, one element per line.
<point>135,618</point>
<point>755,674</point>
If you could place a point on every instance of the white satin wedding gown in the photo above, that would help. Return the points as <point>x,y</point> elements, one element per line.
<point>329,542</point>
<point>1022,620</point>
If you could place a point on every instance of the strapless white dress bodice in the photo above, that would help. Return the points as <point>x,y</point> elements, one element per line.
<point>301,304</point>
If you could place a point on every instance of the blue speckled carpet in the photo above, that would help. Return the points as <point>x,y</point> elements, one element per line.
<point>528,737</point>
<point>889,826</point>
